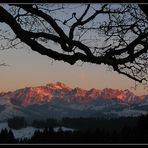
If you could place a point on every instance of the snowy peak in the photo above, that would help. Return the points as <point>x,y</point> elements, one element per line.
<point>79,92</point>
<point>108,93</point>
<point>30,95</point>
<point>93,93</point>
<point>57,85</point>
<point>60,91</point>
<point>58,100</point>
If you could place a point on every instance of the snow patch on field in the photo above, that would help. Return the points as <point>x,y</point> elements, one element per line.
<point>28,131</point>
<point>56,129</point>
<point>4,125</point>
<point>21,133</point>
<point>24,132</point>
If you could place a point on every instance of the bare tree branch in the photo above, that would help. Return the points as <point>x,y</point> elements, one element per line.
<point>123,33</point>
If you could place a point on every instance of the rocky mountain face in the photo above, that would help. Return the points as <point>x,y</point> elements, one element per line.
<point>58,100</point>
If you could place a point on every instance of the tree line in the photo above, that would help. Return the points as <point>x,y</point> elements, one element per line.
<point>127,133</point>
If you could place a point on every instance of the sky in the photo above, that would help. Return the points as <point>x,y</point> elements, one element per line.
<point>28,68</point>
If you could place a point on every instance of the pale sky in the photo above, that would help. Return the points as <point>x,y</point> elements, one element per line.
<point>28,68</point>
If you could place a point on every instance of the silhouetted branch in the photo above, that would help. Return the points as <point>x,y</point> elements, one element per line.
<point>144,8</point>
<point>123,31</point>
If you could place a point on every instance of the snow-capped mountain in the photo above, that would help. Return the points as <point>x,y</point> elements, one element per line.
<point>58,100</point>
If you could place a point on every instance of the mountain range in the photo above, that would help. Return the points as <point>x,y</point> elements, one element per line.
<point>57,100</point>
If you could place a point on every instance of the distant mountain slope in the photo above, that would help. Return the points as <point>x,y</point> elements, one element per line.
<point>57,100</point>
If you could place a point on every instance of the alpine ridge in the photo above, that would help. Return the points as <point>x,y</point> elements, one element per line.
<point>59,100</point>
<point>58,90</point>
